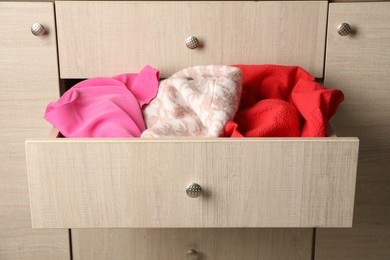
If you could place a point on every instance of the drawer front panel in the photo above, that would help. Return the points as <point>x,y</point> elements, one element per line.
<point>88,183</point>
<point>173,244</point>
<point>359,65</point>
<point>107,38</point>
<point>29,80</point>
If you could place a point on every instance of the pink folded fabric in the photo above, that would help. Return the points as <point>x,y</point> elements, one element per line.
<point>196,101</point>
<point>105,107</point>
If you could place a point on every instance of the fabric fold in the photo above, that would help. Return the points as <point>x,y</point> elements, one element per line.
<point>196,101</point>
<point>105,107</point>
<point>282,101</point>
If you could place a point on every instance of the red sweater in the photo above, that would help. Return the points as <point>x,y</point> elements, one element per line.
<point>282,101</point>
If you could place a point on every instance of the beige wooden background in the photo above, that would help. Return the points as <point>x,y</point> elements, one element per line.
<point>358,65</point>
<point>127,0</point>
<point>28,81</point>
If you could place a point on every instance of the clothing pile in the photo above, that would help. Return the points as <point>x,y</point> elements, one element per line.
<point>202,101</point>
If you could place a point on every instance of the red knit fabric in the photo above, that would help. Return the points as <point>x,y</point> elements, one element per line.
<point>282,101</point>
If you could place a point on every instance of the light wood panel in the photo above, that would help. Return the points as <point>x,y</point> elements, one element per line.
<point>173,244</point>
<point>25,243</point>
<point>360,65</point>
<point>107,38</point>
<point>28,80</point>
<point>332,1</point>
<point>277,182</point>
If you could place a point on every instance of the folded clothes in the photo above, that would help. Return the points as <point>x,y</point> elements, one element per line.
<point>196,101</point>
<point>105,107</point>
<point>282,101</point>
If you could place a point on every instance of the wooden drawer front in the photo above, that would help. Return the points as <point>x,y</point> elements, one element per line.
<point>281,182</point>
<point>359,64</point>
<point>211,244</point>
<point>28,81</point>
<point>107,38</point>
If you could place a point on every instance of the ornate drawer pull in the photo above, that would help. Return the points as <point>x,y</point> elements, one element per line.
<point>38,29</point>
<point>192,255</point>
<point>192,42</point>
<point>344,29</point>
<point>194,190</point>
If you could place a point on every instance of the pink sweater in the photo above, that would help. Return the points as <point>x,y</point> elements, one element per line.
<point>105,107</point>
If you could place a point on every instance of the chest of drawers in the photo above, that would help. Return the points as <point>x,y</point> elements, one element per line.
<point>248,185</point>
<point>281,182</point>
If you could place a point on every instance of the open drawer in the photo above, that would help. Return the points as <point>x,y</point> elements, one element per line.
<point>259,182</point>
<point>131,183</point>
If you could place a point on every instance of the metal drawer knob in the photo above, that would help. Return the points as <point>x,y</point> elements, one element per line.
<point>192,42</point>
<point>344,29</point>
<point>38,29</point>
<point>194,190</point>
<point>192,255</point>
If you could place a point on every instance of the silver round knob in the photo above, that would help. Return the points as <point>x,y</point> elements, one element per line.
<point>38,29</point>
<point>192,255</point>
<point>192,42</point>
<point>344,29</point>
<point>194,190</point>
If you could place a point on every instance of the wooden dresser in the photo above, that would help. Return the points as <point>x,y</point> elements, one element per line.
<point>278,198</point>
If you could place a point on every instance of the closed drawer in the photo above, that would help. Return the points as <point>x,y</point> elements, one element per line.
<point>107,38</point>
<point>263,182</point>
<point>209,243</point>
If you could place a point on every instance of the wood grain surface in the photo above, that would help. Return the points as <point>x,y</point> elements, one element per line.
<point>173,244</point>
<point>359,65</point>
<point>108,38</point>
<point>277,182</point>
<point>28,81</point>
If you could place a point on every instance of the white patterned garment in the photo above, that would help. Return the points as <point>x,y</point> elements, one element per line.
<point>196,101</point>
